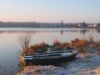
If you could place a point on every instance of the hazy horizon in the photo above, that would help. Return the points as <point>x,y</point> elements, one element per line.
<point>69,11</point>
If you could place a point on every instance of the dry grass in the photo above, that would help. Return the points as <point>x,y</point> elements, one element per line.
<point>25,41</point>
<point>35,48</point>
<point>21,61</point>
<point>1,70</point>
<point>97,44</point>
<point>98,51</point>
<point>91,39</point>
<point>10,69</point>
<point>60,45</point>
<point>77,44</point>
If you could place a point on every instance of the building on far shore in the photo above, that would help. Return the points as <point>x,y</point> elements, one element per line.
<point>83,25</point>
<point>96,25</point>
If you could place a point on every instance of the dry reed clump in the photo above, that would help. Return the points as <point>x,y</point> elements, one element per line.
<point>77,43</point>
<point>97,44</point>
<point>1,70</point>
<point>59,45</point>
<point>98,51</point>
<point>91,39</point>
<point>11,69</point>
<point>26,49</point>
<point>22,63</point>
<point>25,41</point>
<point>38,48</point>
<point>97,47</point>
<point>56,43</point>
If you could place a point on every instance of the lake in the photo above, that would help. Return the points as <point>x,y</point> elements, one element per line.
<point>10,44</point>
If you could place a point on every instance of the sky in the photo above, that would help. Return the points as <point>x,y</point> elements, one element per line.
<point>50,10</point>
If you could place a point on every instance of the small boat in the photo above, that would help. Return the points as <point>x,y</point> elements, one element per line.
<point>51,57</point>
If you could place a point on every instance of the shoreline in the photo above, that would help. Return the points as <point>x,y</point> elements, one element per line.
<point>86,62</point>
<point>81,65</point>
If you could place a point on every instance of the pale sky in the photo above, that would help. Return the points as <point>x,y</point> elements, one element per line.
<point>50,10</point>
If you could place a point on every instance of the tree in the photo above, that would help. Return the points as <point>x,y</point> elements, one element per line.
<point>83,24</point>
<point>98,24</point>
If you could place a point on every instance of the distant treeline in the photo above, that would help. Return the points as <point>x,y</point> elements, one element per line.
<point>46,25</point>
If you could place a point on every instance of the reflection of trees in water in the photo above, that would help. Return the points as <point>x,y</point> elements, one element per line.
<point>98,30</point>
<point>83,31</point>
<point>61,32</point>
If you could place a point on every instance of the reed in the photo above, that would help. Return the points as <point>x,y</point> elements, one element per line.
<point>91,39</point>
<point>1,70</point>
<point>25,41</point>
<point>11,70</point>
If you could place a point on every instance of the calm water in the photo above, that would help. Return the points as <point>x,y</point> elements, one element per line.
<point>10,44</point>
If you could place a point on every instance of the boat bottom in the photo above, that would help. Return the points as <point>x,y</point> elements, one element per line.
<point>53,61</point>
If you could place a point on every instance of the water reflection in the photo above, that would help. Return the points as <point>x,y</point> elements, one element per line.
<point>98,30</point>
<point>83,31</point>
<point>10,44</point>
<point>34,30</point>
